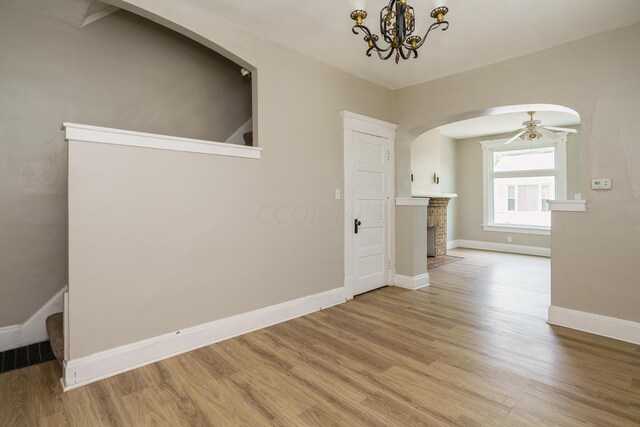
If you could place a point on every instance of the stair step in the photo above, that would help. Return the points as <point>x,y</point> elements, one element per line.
<point>248,139</point>
<point>55,330</point>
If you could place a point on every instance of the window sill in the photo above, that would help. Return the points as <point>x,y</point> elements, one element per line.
<point>517,229</point>
<point>86,133</point>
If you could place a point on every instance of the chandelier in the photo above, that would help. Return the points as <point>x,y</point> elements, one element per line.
<point>397,24</point>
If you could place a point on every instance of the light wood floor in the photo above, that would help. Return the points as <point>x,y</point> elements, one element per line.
<point>472,349</point>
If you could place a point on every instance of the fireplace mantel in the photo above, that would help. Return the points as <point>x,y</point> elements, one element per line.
<point>434,195</point>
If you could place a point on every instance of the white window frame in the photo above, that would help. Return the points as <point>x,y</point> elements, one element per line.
<point>559,172</point>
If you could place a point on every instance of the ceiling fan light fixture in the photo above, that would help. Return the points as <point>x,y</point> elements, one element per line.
<point>534,129</point>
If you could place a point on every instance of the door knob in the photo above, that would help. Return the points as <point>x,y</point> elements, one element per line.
<point>357,224</point>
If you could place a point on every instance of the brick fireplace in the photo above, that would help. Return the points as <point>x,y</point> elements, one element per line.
<point>437,218</point>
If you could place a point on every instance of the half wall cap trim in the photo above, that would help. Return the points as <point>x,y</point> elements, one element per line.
<point>103,135</point>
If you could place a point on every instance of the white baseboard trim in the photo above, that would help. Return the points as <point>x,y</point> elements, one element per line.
<point>412,283</point>
<point>34,329</point>
<point>504,247</point>
<point>88,369</point>
<point>610,327</point>
<point>452,244</point>
<point>10,337</point>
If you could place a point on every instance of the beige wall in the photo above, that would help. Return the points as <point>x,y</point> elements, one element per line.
<point>186,238</point>
<point>449,182</point>
<point>121,71</point>
<point>432,153</point>
<point>469,174</point>
<point>425,161</point>
<point>594,254</point>
<point>411,237</point>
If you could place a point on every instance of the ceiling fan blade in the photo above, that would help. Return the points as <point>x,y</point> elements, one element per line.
<point>515,137</point>
<point>547,133</point>
<point>568,130</point>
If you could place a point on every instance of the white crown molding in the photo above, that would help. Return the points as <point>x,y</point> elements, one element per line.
<point>409,201</point>
<point>505,247</point>
<point>95,134</point>
<point>412,283</point>
<point>567,205</point>
<point>34,329</point>
<point>610,327</point>
<point>88,369</point>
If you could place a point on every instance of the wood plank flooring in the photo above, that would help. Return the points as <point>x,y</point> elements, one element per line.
<point>472,349</point>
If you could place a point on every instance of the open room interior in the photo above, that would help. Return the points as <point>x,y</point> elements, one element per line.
<point>319,213</point>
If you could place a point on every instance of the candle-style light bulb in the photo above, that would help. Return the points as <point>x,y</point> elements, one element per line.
<point>437,3</point>
<point>357,5</point>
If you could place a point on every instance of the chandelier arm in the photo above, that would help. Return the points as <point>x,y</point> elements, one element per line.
<point>405,57</point>
<point>432,27</point>
<point>368,33</point>
<point>363,28</point>
<point>388,56</point>
<point>378,50</point>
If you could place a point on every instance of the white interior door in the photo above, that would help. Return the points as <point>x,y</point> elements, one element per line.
<point>371,209</point>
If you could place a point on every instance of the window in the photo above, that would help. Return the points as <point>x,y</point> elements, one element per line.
<point>519,178</point>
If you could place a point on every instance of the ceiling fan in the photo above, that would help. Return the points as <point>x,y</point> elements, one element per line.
<point>534,129</point>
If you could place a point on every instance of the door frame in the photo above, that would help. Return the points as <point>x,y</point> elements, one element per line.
<point>353,122</point>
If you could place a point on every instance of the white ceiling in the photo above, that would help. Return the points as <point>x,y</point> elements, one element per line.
<point>481,32</point>
<point>504,123</point>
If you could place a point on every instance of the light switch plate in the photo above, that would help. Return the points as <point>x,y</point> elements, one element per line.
<point>338,195</point>
<point>601,184</point>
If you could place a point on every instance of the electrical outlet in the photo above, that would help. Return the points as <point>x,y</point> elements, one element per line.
<point>601,184</point>
<point>509,239</point>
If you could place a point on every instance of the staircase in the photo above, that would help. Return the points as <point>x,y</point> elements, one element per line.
<point>55,329</point>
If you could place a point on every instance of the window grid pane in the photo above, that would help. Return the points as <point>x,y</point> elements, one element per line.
<point>524,160</point>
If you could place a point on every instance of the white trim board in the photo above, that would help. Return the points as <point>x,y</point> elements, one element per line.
<point>412,283</point>
<point>368,125</point>
<point>504,247</point>
<point>101,135</point>
<point>410,201</point>
<point>34,329</point>
<point>518,229</point>
<point>567,205</point>
<point>610,327</point>
<point>88,369</point>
